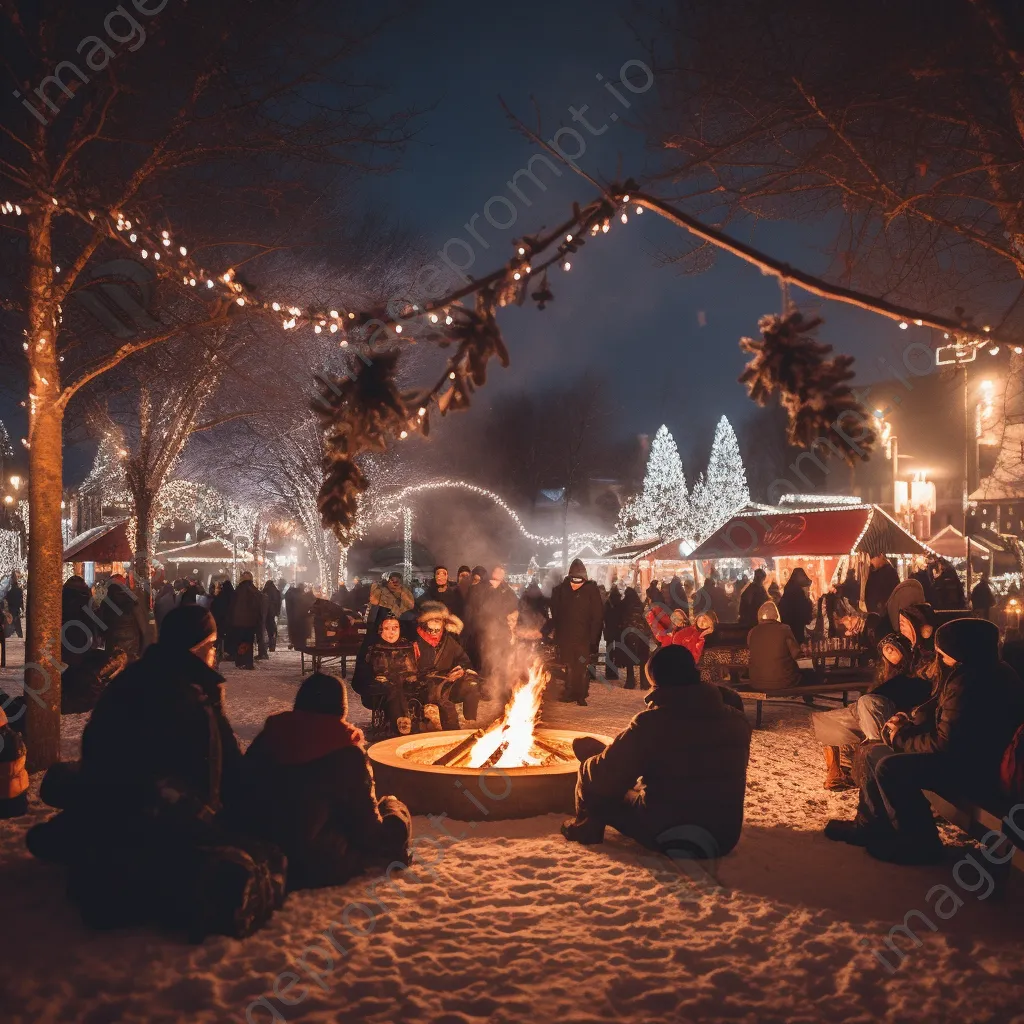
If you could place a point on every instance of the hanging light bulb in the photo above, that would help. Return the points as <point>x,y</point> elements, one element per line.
<point>522,251</point>
<point>994,350</point>
<point>209,284</point>
<point>183,250</point>
<point>398,328</point>
<point>133,237</point>
<point>334,328</point>
<point>433,318</point>
<point>317,329</point>
<point>903,325</point>
<point>567,265</point>
<point>624,218</point>
<point>451,376</point>
<point>625,199</point>
<point>516,276</point>
<point>568,238</point>
<point>404,434</point>
<point>639,210</point>
<point>145,254</point>
<point>448,321</point>
<point>275,306</point>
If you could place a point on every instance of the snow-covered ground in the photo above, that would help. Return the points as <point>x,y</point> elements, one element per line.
<point>508,923</point>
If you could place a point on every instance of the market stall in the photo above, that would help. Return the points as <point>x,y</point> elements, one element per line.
<point>825,542</point>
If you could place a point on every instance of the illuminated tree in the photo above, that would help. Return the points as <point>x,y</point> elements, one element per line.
<point>718,493</point>
<point>661,508</point>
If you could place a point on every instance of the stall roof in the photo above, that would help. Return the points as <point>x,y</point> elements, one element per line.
<point>106,543</point>
<point>949,542</point>
<point>818,532</point>
<point>211,550</point>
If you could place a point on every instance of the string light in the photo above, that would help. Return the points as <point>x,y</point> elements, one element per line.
<point>392,503</point>
<point>567,265</point>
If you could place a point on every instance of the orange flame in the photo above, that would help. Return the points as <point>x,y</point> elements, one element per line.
<point>516,727</point>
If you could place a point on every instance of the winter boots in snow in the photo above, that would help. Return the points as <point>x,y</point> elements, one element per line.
<point>585,831</point>
<point>835,777</point>
<point>431,718</point>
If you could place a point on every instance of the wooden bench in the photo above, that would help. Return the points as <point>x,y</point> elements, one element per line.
<point>841,682</point>
<point>976,821</point>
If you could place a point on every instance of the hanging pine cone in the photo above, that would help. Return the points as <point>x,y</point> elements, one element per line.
<point>812,389</point>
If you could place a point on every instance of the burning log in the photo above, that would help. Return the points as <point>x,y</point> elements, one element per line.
<point>496,756</point>
<point>549,749</point>
<point>460,748</point>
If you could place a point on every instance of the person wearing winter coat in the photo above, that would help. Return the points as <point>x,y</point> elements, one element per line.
<point>795,607</point>
<point>273,611</point>
<point>124,623</point>
<point>676,597</point>
<point>882,580</point>
<point>947,590</point>
<point>773,652</point>
<point>13,774</point>
<point>15,598</point>
<point>904,595</point>
<point>612,631</point>
<point>87,668</point>
<point>76,640</point>
<point>752,598</point>
<point>220,607</point>
<point>982,598</point>
<point>634,644</point>
<point>534,605</point>
<point>444,672</point>
<point>689,751</point>
<point>341,597</point>
<point>157,749</point>
<point>393,597</point>
<point>577,617</point>
<point>244,621</point>
<point>491,604</point>
<point>899,686</point>
<point>309,789</point>
<point>444,590</point>
<point>392,661</point>
<point>166,599</point>
<point>953,743</point>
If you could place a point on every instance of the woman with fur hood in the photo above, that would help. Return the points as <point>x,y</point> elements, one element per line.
<point>445,674</point>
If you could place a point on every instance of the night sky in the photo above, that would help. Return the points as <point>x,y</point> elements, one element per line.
<point>618,312</point>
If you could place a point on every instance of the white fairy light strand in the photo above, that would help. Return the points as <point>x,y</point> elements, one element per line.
<point>391,504</point>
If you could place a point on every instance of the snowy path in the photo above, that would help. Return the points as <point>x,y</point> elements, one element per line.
<point>509,924</point>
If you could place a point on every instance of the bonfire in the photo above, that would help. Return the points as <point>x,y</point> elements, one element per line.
<point>509,741</point>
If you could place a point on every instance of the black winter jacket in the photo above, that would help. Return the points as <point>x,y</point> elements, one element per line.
<point>247,611</point>
<point>125,624</point>
<point>577,617</point>
<point>690,749</point>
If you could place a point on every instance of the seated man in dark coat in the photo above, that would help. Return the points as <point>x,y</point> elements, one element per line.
<point>309,789</point>
<point>689,751</point>
<point>953,744</point>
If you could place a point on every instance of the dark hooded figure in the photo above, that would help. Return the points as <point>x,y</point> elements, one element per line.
<point>952,744</point>
<point>15,599</point>
<point>633,644</point>
<point>220,606</point>
<point>612,631</point>
<point>982,598</point>
<point>444,589</point>
<point>273,599</point>
<point>753,596</point>
<point>795,607</point>
<point>166,599</point>
<point>158,754</point>
<point>309,789</point>
<point>244,621</point>
<point>882,580</point>
<point>88,670</point>
<point>75,640</point>
<point>125,624</point>
<point>689,751</point>
<point>947,591</point>
<point>577,618</point>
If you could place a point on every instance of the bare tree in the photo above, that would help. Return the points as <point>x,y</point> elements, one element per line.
<point>255,98</point>
<point>899,126</point>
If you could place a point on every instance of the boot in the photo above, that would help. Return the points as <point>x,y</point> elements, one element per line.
<point>431,718</point>
<point>835,778</point>
<point>404,726</point>
<point>583,830</point>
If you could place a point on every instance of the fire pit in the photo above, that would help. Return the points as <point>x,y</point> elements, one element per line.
<point>511,769</point>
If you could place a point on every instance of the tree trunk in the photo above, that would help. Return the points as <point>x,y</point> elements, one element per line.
<point>45,471</point>
<point>143,546</point>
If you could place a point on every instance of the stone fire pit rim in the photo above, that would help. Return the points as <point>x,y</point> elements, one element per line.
<point>389,752</point>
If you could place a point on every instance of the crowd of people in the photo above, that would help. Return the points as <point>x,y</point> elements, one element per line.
<point>165,820</point>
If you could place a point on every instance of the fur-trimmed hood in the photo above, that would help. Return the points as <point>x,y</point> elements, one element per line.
<point>436,610</point>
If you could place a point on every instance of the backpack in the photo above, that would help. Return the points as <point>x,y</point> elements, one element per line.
<point>1011,771</point>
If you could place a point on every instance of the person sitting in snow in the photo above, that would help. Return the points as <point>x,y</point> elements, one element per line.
<point>309,789</point>
<point>446,676</point>
<point>393,665</point>
<point>689,751</point>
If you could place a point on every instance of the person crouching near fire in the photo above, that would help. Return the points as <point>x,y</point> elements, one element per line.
<point>446,676</point>
<point>689,750</point>
<point>392,661</point>
<point>309,789</point>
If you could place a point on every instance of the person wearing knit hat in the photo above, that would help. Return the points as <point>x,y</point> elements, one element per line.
<point>897,687</point>
<point>310,790</point>
<point>774,652</point>
<point>158,749</point>
<point>689,749</point>
<point>953,743</point>
<point>577,618</point>
<point>13,774</point>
